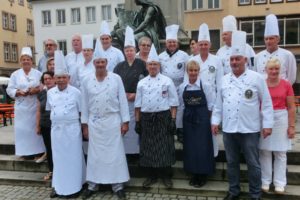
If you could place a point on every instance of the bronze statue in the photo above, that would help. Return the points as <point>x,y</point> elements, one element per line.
<point>148,21</point>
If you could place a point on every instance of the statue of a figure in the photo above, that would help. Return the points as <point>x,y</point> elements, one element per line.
<point>148,21</point>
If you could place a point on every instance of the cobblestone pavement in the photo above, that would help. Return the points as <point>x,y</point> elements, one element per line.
<point>10,192</point>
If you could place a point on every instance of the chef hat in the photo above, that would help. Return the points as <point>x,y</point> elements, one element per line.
<point>171,32</point>
<point>153,55</point>
<point>26,51</point>
<point>271,27</point>
<point>60,67</point>
<point>129,37</point>
<point>238,44</point>
<point>229,23</point>
<point>88,41</point>
<point>203,33</point>
<point>104,28</point>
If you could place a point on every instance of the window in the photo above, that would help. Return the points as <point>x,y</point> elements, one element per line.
<point>197,4</point>
<point>75,12</point>
<point>21,2</point>
<point>292,31</point>
<point>244,2</point>
<point>276,1</point>
<point>29,5</point>
<point>6,52</point>
<point>5,20</point>
<point>201,4</point>
<point>213,4</point>
<point>46,17</point>
<point>121,5</point>
<point>60,17</point>
<point>13,22</point>
<point>14,52</point>
<point>214,39</point>
<point>106,12</point>
<point>292,0</point>
<point>62,44</point>
<point>260,1</point>
<point>30,27</point>
<point>90,14</point>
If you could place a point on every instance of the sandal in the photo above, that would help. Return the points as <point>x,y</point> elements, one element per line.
<point>48,176</point>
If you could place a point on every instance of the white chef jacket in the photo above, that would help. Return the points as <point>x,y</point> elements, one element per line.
<point>113,55</point>
<point>27,142</point>
<point>225,52</point>
<point>73,61</point>
<point>211,70</point>
<point>238,113</point>
<point>104,108</point>
<point>209,91</point>
<point>288,69</point>
<point>155,94</point>
<point>174,66</point>
<point>85,71</point>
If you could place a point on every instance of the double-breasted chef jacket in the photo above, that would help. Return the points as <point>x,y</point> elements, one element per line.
<point>73,61</point>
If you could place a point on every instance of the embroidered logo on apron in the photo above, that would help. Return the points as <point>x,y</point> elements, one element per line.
<point>212,69</point>
<point>180,65</point>
<point>248,94</point>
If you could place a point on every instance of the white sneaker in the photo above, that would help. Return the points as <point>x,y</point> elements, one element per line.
<point>265,188</point>
<point>279,190</point>
<point>42,158</point>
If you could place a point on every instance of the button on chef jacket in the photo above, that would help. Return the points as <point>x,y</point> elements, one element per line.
<point>288,69</point>
<point>238,113</point>
<point>155,94</point>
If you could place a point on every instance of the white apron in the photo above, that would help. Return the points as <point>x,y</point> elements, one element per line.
<point>278,140</point>
<point>106,157</point>
<point>27,142</point>
<point>131,138</point>
<point>68,161</point>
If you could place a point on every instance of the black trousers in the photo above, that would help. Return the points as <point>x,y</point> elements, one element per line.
<point>46,133</point>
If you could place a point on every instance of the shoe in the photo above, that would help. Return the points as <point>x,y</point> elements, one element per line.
<point>192,181</point>
<point>231,197</point>
<point>42,158</point>
<point>279,190</point>
<point>148,182</point>
<point>121,194</point>
<point>200,183</point>
<point>87,193</point>
<point>167,182</point>
<point>53,194</point>
<point>265,188</point>
<point>71,196</point>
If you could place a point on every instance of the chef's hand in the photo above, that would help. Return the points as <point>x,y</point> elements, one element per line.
<point>38,130</point>
<point>130,96</point>
<point>214,129</point>
<point>21,93</point>
<point>124,128</point>
<point>85,131</point>
<point>138,127</point>
<point>291,132</point>
<point>173,126</point>
<point>266,132</point>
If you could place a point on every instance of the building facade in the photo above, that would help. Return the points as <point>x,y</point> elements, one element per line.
<point>16,32</point>
<point>61,19</point>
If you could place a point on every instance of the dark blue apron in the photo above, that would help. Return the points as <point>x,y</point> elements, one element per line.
<point>197,137</point>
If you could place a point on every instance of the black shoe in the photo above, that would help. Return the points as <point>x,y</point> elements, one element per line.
<point>53,194</point>
<point>167,182</point>
<point>192,181</point>
<point>148,182</point>
<point>231,197</point>
<point>121,194</point>
<point>71,196</point>
<point>200,183</point>
<point>87,193</point>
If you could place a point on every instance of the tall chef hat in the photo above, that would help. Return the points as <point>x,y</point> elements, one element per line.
<point>229,23</point>
<point>88,41</point>
<point>153,55</point>
<point>238,44</point>
<point>271,27</point>
<point>104,28</point>
<point>203,33</point>
<point>26,51</point>
<point>60,67</point>
<point>129,37</point>
<point>171,32</point>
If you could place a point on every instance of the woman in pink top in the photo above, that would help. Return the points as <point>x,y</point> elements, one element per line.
<point>283,131</point>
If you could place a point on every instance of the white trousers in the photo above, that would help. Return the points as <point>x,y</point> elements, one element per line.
<point>279,168</point>
<point>115,187</point>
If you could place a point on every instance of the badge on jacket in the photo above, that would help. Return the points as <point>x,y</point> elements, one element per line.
<point>212,69</point>
<point>180,65</point>
<point>248,94</point>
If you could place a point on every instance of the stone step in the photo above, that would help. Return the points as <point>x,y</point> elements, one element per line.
<point>13,163</point>
<point>212,188</point>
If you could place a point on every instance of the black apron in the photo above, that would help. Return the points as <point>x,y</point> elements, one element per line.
<point>197,137</point>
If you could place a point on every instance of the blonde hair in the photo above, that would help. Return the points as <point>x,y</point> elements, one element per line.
<point>192,64</point>
<point>273,62</point>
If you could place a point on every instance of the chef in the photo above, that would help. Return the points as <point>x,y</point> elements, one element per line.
<point>244,107</point>
<point>155,112</point>
<point>288,67</point>
<point>229,25</point>
<point>104,47</point>
<point>105,119</point>
<point>131,71</point>
<point>64,103</point>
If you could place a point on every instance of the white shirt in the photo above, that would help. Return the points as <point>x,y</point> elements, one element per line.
<point>225,52</point>
<point>65,105</point>
<point>101,98</point>
<point>209,91</point>
<point>241,114</point>
<point>83,71</point>
<point>73,61</point>
<point>211,70</point>
<point>174,66</point>
<point>288,69</point>
<point>113,55</point>
<point>155,94</point>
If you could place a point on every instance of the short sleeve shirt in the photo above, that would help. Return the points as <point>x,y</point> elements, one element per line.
<point>279,94</point>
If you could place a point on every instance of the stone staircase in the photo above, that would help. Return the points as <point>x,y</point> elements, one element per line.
<point>17,172</point>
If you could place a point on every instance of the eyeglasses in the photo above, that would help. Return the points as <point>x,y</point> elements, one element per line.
<point>49,45</point>
<point>145,45</point>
